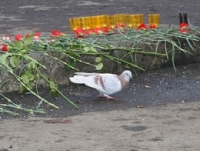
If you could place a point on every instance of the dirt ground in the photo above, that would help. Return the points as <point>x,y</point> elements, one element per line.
<point>173,127</point>
<point>164,117</point>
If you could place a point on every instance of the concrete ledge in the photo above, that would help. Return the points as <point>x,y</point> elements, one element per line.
<point>58,73</point>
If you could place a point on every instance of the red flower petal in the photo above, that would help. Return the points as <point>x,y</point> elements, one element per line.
<point>152,26</point>
<point>18,37</point>
<point>59,33</point>
<point>4,48</point>
<point>142,26</point>
<point>79,33</point>
<point>37,34</point>
<point>120,25</point>
<point>184,27</point>
<point>98,31</point>
<point>54,33</point>
<point>107,29</point>
<point>89,32</point>
<point>78,30</point>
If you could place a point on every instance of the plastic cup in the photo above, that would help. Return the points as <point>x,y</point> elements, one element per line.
<point>154,19</point>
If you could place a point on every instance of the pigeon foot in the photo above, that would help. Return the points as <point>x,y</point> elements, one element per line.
<point>107,96</point>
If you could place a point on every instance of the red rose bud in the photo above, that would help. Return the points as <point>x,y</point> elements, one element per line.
<point>5,48</point>
<point>142,26</point>
<point>18,37</point>
<point>184,27</point>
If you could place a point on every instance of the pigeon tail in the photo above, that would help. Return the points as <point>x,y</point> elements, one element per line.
<point>86,74</point>
<point>78,79</point>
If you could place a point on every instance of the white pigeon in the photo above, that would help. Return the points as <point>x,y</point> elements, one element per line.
<point>105,83</point>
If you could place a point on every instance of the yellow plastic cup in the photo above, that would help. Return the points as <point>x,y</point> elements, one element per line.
<point>75,23</point>
<point>134,20</point>
<point>131,20</point>
<point>105,21</point>
<point>139,19</point>
<point>97,21</point>
<point>154,19</point>
<point>111,21</point>
<point>86,23</point>
<point>120,18</point>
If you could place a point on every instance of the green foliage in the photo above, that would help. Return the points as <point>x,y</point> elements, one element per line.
<point>101,47</point>
<point>15,60</point>
<point>53,88</point>
<point>99,62</point>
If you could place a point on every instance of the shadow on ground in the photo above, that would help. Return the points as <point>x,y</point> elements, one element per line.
<point>152,88</point>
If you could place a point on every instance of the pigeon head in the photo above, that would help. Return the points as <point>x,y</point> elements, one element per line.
<point>127,75</point>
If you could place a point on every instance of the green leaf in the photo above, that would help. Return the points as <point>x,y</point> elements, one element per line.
<point>86,49</point>
<point>29,85</point>
<point>28,40</point>
<point>3,58</point>
<point>29,75</point>
<point>53,85</point>
<point>24,51</point>
<point>15,60</point>
<point>21,88</point>
<point>25,79</point>
<point>98,59</point>
<point>32,65</point>
<point>92,49</point>
<point>19,43</point>
<point>99,66</point>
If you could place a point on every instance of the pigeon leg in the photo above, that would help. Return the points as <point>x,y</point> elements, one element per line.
<point>101,95</point>
<point>109,97</point>
<point>106,96</point>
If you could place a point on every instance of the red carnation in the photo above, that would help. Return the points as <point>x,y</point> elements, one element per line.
<point>120,27</point>
<point>184,27</point>
<point>106,29</point>
<point>142,26</point>
<point>98,31</point>
<point>89,32</point>
<point>18,37</point>
<point>37,34</point>
<point>79,33</point>
<point>152,26</point>
<point>56,33</point>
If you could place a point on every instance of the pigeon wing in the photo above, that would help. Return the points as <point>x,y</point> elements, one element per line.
<point>107,83</point>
